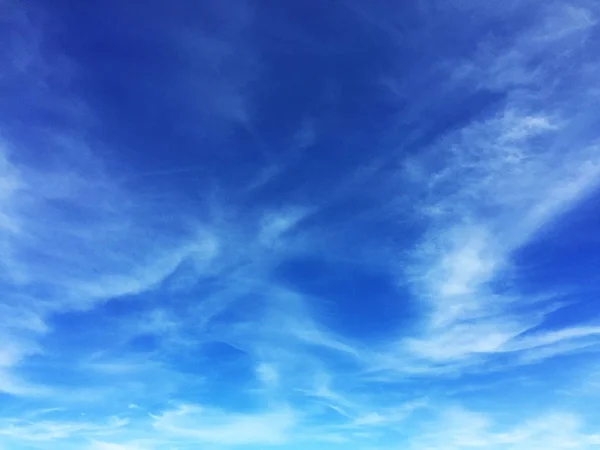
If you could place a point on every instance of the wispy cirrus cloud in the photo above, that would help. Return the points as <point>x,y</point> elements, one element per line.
<point>195,423</point>
<point>257,246</point>
<point>491,188</point>
<point>100,445</point>
<point>49,430</point>
<point>460,428</point>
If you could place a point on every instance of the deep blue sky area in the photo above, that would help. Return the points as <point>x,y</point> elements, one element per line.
<point>299,225</point>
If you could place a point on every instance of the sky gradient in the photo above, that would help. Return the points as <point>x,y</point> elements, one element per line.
<point>299,225</point>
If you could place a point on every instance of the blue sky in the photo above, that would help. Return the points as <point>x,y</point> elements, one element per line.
<point>299,225</point>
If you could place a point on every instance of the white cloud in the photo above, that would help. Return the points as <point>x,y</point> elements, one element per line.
<point>51,430</point>
<point>100,445</point>
<point>553,337</point>
<point>386,417</point>
<point>492,187</point>
<point>465,340</point>
<point>267,374</point>
<point>217,427</point>
<point>458,429</point>
<point>567,21</point>
<point>276,224</point>
<point>11,383</point>
<point>200,250</point>
<point>107,251</point>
